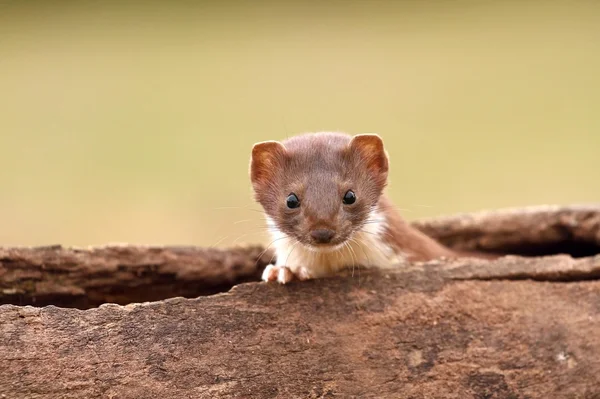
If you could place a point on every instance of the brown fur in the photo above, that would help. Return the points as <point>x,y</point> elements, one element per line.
<point>406,239</point>
<point>319,168</point>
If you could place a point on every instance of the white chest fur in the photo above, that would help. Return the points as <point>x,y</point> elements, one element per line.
<point>366,248</point>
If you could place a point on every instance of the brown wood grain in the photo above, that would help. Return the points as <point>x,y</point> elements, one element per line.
<point>515,327</point>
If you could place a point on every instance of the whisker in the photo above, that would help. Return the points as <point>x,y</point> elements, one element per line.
<point>247,206</point>
<point>425,206</point>
<point>375,234</point>
<point>385,207</point>
<point>238,207</point>
<point>254,230</point>
<point>349,246</point>
<point>272,257</point>
<point>219,241</point>
<point>290,253</point>
<point>244,221</point>
<point>267,248</point>
<point>371,221</point>
<point>262,228</point>
<point>361,245</point>
<point>353,255</point>
<point>346,246</point>
<point>241,236</point>
<point>350,239</point>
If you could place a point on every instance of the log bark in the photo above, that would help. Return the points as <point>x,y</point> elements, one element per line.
<point>85,278</point>
<point>446,330</point>
<point>517,327</point>
<point>531,231</point>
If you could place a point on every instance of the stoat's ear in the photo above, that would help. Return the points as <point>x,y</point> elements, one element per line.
<point>267,159</point>
<point>369,148</point>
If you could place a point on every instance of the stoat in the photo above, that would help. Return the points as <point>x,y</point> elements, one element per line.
<point>325,205</point>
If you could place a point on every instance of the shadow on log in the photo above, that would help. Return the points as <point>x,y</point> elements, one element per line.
<point>516,327</point>
<point>85,278</point>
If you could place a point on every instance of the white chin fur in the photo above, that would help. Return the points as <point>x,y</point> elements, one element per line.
<point>324,248</point>
<point>365,248</point>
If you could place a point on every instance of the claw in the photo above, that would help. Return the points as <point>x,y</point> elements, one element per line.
<point>285,275</point>
<point>281,274</point>
<point>303,274</point>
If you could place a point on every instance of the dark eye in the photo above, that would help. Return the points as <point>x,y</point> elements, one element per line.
<point>349,197</point>
<point>292,201</point>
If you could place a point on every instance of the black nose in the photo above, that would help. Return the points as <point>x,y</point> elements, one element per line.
<point>322,236</point>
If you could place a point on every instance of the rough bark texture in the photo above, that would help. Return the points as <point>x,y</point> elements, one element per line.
<point>513,328</point>
<point>534,231</point>
<point>85,278</point>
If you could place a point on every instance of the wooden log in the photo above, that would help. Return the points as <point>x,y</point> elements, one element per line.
<point>431,331</point>
<point>531,231</point>
<point>517,327</point>
<point>85,278</point>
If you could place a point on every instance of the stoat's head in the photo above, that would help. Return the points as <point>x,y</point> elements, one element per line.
<point>320,188</point>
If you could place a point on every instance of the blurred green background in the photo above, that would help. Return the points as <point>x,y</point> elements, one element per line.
<point>133,121</point>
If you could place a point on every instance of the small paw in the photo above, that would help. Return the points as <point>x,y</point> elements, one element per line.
<point>303,274</point>
<point>281,274</point>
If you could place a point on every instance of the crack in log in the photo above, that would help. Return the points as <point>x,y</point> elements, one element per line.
<point>575,278</point>
<point>558,268</point>
<point>531,231</point>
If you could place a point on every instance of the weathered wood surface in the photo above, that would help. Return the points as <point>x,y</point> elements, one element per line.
<point>426,332</point>
<point>513,328</point>
<point>86,278</point>
<point>532,231</point>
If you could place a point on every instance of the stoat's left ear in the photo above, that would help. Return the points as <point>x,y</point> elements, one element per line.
<point>369,147</point>
<point>267,159</point>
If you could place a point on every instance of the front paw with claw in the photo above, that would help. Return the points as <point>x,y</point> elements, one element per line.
<point>283,274</point>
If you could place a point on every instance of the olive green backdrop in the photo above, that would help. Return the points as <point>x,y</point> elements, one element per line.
<point>133,121</point>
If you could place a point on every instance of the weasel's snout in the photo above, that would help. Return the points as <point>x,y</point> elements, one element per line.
<point>322,236</point>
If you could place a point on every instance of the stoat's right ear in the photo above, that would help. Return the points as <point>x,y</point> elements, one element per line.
<point>267,158</point>
<point>369,148</point>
